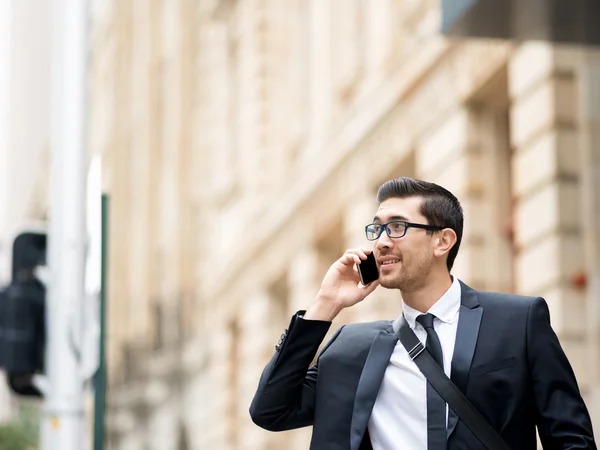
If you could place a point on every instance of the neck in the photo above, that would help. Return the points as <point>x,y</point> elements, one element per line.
<point>423,298</point>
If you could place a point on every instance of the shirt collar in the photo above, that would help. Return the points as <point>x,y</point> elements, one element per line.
<point>444,309</point>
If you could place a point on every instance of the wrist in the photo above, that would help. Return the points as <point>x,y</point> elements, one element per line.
<point>322,309</point>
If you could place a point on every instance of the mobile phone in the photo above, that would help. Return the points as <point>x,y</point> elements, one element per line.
<point>367,270</point>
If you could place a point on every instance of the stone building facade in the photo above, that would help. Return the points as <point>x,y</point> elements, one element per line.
<point>243,143</point>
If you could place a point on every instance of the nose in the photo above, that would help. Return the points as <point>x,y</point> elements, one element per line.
<point>384,241</point>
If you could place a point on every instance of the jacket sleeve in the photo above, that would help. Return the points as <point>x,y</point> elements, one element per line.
<point>562,418</point>
<point>285,398</point>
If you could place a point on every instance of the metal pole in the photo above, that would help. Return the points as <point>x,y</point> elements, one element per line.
<point>62,422</point>
<point>100,381</point>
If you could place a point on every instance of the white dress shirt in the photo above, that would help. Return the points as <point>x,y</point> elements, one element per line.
<point>399,417</point>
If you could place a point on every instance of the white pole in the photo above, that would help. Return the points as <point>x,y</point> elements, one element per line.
<point>62,425</point>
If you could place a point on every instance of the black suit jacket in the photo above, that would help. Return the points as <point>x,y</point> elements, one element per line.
<point>507,361</point>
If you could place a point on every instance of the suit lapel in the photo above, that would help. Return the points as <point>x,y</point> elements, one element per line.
<point>369,383</point>
<point>467,333</point>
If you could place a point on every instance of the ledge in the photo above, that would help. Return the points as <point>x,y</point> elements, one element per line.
<point>556,21</point>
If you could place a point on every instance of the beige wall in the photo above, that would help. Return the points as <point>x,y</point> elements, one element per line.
<point>244,144</point>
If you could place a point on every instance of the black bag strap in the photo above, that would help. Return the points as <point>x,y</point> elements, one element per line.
<point>447,389</point>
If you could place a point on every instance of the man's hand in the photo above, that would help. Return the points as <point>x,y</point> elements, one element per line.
<point>341,287</point>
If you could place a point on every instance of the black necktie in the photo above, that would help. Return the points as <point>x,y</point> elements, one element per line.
<point>436,406</point>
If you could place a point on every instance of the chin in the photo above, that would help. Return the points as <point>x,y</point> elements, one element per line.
<point>390,282</point>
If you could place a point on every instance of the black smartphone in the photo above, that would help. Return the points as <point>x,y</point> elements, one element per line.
<point>367,270</point>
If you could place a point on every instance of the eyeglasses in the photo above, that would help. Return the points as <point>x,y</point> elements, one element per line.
<point>395,229</point>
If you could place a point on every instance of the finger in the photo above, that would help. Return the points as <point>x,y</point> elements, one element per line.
<point>360,252</point>
<point>350,258</point>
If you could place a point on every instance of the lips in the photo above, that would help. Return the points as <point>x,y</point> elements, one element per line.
<point>389,262</point>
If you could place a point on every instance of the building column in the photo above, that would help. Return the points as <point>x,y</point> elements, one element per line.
<point>468,155</point>
<point>304,279</point>
<point>320,91</point>
<point>196,411</point>
<point>256,347</point>
<point>141,180</point>
<point>488,195</point>
<point>248,101</point>
<point>378,25</point>
<point>118,183</point>
<point>547,190</point>
<point>589,95</point>
<point>170,149</point>
<point>189,235</point>
<point>218,412</point>
<point>237,358</point>
<point>163,420</point>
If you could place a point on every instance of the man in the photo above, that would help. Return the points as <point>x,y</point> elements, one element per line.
<point>365,391</point>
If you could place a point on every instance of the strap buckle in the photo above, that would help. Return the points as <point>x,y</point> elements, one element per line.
<point>416,351</point>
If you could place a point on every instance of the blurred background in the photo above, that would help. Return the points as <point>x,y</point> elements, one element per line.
<point>242,143</point>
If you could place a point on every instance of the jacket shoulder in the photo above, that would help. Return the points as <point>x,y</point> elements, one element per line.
<point>362,327</point>
<point>362,331</point>
<point>354,340</point>
<point>505,301</point>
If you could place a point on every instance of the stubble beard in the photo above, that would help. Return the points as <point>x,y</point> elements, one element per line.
<point>409,280</point>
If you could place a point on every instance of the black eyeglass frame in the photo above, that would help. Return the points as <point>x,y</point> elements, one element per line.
<point>407,225</point>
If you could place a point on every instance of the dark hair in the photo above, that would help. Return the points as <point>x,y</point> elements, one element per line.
<point>440,207</point>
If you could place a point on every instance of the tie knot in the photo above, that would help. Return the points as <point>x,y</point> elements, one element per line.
<point>426,320</point>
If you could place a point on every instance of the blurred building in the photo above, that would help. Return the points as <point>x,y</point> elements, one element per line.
<point>243,143</point>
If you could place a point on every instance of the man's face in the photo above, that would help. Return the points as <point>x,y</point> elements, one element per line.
<point>404,263</point>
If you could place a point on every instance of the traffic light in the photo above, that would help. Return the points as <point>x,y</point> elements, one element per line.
<point>22,316</point>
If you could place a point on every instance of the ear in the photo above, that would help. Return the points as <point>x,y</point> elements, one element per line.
<point>443,242</point>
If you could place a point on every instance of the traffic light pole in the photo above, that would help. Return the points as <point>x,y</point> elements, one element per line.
<point>63,418</point>
<point>100,378</point>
